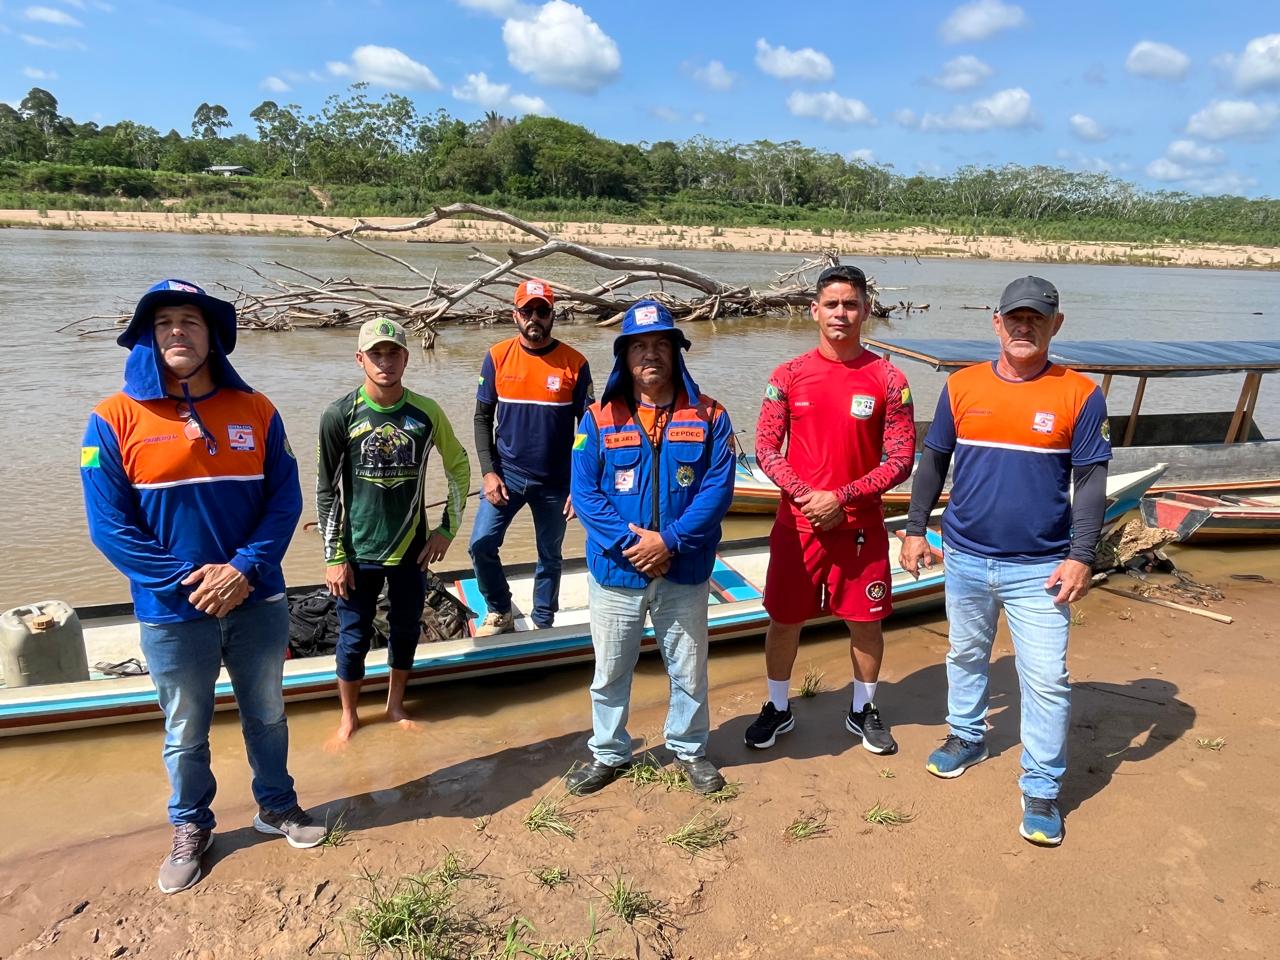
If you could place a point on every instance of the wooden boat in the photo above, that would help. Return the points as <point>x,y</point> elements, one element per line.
<point>1214,453</point>
<point>1200,519</point>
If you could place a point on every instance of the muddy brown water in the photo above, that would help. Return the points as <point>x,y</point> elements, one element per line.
<point>48,279</point>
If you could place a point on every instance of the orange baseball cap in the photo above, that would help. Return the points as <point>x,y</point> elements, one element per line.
<point>534,290</point>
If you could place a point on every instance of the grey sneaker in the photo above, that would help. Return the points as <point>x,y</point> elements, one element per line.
<point>496,623</point>
<point>181,869</point>
<point>294,825</point>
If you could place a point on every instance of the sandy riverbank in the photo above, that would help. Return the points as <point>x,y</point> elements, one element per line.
<point>1172,851</point>
<point>913,242</point>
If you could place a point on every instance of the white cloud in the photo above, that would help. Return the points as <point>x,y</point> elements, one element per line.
<point>1224,119</point>
<point>962,73</point>
<point>561,46</point>
<point>698,117</point>
<point>482,91</point>
<point>1192,166</point>
<point>981,19</point>
<point>497,8</point>
<point>67,43</point>
<point>806,64</point>
<point>906,118</point>
<point>386,67</point>
<point>1259,65</point>
<point>275,85</point>
<point>863,155</point>
<point>714,75</point>
<point>1194,154</point>
<point>829,107</point>
<point>1157,60</point>
<point>665,114</point>
<point>35,73</point>
<point>1005,110</point>
<point>59,18</point>
<point>1087,128</point>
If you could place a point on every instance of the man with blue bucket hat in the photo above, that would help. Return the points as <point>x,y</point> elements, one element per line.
<point>652,478</point>
<point>192,493</point>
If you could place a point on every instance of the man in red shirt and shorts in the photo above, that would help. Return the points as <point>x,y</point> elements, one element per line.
<point>846,417</point>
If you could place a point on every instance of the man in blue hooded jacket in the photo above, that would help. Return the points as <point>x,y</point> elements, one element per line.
<point>652,478</point>
<point>192,493</point>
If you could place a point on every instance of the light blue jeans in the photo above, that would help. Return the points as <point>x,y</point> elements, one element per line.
<point>679,615</point>
<point>976,590</point>
<point>184,660</point>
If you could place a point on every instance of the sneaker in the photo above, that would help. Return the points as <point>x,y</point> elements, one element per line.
<point>866,723</point>
<point>594,776</point>
<point>294,825</point>
<point>181,869</point>
<point>1041,821</point>
<point>954,756</point>
<point>496,623</point>
<point>701,774</point>
<point>765,728</point>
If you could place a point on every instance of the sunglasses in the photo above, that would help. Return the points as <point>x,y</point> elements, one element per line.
<point>529,313</point>
<point>192,430</point>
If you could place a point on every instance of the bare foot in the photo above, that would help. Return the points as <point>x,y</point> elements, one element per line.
<point>347,728</point>
<point>400,717</point>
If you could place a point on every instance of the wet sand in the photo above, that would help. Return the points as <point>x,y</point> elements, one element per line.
<point>908,242</point>
<point>1172,850</point>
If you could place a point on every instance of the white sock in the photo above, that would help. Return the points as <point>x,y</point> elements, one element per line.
<point>863,693</point>
<point>778,694</point>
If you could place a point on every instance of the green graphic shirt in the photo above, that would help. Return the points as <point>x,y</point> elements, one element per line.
<point>371,478</point>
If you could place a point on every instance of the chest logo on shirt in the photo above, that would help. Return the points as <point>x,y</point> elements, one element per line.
<point>624,481</point>
<point>553,384</point>
<point>1043,423</point>
<point>624,438</point>
<point>385,449</point>
<point>240,436</point>
<point>686,434</point>
<point>413,426</point>
<point>862,406</point>
<point>684,475</point>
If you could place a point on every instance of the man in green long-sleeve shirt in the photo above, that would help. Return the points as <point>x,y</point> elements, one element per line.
<point>370,496</point>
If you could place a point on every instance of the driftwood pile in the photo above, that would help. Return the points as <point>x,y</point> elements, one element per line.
<point>292,297</point>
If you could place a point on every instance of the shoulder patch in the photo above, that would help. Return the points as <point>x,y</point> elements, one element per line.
<point>906,396</point>
<point>579,441</point>
<point>1106,430</point>
<point>772,393</point>
<point>90,458</point>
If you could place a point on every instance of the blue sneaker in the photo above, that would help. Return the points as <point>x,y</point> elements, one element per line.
<point>954,756</point>
<point>1041,821</point>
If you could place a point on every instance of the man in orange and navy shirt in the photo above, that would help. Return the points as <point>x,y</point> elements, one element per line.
<point>192,493</point>
<point>533,390</point>
<point>1023,432</point>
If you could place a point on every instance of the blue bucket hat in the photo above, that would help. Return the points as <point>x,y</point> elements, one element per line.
<point>649,316</point>
<point>219,314</point>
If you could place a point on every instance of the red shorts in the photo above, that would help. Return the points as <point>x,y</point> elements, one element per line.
<point>814,573</point>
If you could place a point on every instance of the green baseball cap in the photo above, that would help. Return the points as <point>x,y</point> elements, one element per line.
<point>381,330</point>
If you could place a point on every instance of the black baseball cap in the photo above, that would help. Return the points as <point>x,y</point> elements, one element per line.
<point>1034,292</point>
<point>843,272</point>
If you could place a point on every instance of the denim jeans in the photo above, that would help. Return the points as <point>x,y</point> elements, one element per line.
<point>547,506</point>
<point>184,660</point>
<point>406,593</point>
<point>976,590</point>
<point>679,615</point>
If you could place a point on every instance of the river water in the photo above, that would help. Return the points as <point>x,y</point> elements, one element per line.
<point>50,278</point>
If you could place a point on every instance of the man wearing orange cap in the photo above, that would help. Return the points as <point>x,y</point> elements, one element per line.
<point>533,390</point>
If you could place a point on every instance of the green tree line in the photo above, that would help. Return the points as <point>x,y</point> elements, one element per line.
<point>383,156</point>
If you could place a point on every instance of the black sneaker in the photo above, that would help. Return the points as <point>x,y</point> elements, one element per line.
<point>765,728</point>
<point>592,777</point>
<point>866,723</point>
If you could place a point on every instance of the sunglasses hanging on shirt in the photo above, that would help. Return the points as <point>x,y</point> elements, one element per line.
<point>193,429</point>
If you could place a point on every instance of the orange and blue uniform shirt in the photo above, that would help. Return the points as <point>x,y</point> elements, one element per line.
<point>1014,444</point>
<point>540,396</point>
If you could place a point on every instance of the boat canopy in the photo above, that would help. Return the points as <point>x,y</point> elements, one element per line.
<point>1131,358</point>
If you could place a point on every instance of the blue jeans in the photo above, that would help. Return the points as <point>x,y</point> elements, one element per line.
<point>976,590</point>
<point>406,593</point>
<point>679,614</point>
<point>547,506</point>
<point>184,660</point>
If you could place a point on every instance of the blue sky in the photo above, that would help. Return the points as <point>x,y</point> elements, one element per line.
<point>1180,94</point>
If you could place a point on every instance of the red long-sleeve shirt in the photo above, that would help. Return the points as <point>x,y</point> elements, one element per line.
<point>849,428</point>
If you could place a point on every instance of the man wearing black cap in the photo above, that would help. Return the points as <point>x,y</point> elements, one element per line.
<point>845,416</point>
<point>652,479</point>
<point>192,493</point>
<point>1023,431</point>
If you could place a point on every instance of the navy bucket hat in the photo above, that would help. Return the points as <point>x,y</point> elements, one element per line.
<point>649,316</point>
<point>219,314</point>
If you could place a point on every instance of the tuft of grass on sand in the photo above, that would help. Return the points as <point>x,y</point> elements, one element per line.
<point>515,946</point>
<point>550,815</point>
<point>725,794</point>
<point>416,916</point>
<point>1216,744</point>
<point>649,771</point>
<point>811,685</point>
<point>549,876</point>
<point>338,834</point>
<point>883,816</point>
<point>701,834</point>
<point>629,903</point>
<point>887,774</point>
<point>807,826</point>
<point>481,824</point>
